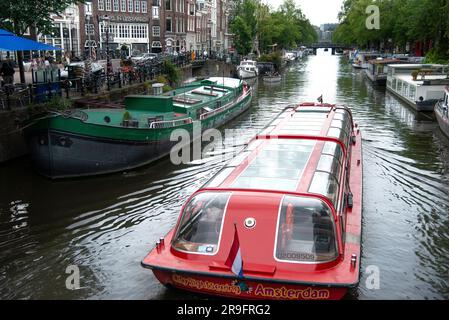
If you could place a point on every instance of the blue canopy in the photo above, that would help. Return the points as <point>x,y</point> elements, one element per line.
<point>10,42</point>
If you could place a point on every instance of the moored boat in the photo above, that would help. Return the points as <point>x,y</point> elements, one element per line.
<point>272,78</point>
<point>441,112</point>
<point>362,58</point>
<point>282,220</point>
<point>378,68</point>
<point>247,69</point>
<point>85,142</point>
<point>421,86</point>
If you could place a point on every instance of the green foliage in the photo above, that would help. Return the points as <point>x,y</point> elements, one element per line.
<point>401,22</point>
<point>172,72</point>
<point>161,79</point>
<point>437,55</point>
<point>166,88</point>
<point>57,103</point>
<point>274,57</point>
<point>287,27</point>
<point>19,15</point>
<point>126,116</point>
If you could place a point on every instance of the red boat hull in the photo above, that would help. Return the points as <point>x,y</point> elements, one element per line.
<point>247,289</point>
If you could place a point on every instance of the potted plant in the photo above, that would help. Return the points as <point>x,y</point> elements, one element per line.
<point>415,74</point>
<point>126,118</point>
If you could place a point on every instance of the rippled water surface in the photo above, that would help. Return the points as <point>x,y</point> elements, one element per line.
<point>107,225</point>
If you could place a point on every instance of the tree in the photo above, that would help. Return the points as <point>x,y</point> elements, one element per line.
<point>18,16</point>
<point>253,22</point>
<point>401,22</point>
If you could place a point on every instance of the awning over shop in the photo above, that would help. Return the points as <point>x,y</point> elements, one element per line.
<point>10,42</point>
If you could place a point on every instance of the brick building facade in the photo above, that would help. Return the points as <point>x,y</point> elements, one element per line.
<point>153,25</point>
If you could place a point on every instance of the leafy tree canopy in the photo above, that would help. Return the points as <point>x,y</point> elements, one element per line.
<point>19,15</point>
<point>287,27</point>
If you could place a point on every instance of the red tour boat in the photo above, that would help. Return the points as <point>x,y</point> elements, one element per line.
<point>282,220</point>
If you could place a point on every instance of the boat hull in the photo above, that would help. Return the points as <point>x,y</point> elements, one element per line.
<point>57,153</point>
<point>376,79</point>
<point>421,106</point>
<point>251,289</point>
<point>443,121</point>
<point>272,79</point>
<point>245,74</point>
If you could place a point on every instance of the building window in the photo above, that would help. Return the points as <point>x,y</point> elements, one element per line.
<point>123,5</point>
<point>88,8</point>
<point>137,6</point>
<point>130,5</point>
<point>108,5</point>
<point>168,5</point>
<point>156,31</point>
<point>89,29</point>
<point>144,7</point>
<point>155,12</point>
<point>156,44</point>
<point>101,5</point>
<point>156,3</point>
<point>133,31</point>
<point>168,24</point>
<point>116,5</point>
<point>192,9</point>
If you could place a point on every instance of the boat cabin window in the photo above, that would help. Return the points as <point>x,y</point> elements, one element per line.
<point>305,232</point>
<point>334,149</point>
<point>325,184</point>
<point>201,223</point>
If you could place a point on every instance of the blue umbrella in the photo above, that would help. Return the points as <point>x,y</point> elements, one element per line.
<point>10,42</point>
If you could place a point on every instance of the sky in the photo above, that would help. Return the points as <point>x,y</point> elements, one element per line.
<point>317,11</point>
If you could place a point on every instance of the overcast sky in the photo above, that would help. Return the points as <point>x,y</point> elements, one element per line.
<point>317,11</point>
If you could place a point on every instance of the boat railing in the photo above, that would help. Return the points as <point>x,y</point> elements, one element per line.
<point>170,123</point>
<point>223,108</point>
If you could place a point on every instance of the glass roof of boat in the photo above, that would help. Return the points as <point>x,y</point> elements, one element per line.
<point>278,166</point>
<point>308,121</point>
<point>280,163</point>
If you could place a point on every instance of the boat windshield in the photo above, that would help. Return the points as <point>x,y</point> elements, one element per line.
<point>305,232</point>
<point>201,223</point>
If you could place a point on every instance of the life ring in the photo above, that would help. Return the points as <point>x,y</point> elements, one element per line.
<point>287,227</point>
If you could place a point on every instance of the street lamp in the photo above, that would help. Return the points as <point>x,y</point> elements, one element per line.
<point>209,24</point>
<point>71,17</point>
<point>108,60</point>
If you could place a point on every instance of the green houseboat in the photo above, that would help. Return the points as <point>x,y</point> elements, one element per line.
<point>86,142</point>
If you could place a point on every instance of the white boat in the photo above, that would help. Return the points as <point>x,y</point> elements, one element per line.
<point>289,57</point>
<point>362,58</point>
<point>247,69</point>
<point>421,92</point>
<point>272,78</point>
<point>377,69</point>
<point>441,112</point>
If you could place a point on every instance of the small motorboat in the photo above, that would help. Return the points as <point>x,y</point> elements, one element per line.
<point>247,69</point>
<point>282,220</point>
<point>272,78</point>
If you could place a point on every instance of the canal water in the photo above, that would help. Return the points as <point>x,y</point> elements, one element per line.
<point>106,225</point>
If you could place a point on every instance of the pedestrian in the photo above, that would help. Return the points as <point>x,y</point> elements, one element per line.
<point>8,72</point>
